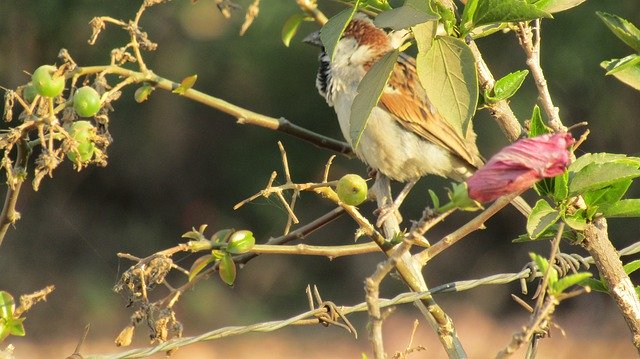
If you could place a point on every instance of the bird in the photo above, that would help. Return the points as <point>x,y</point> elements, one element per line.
<point>406,138</point>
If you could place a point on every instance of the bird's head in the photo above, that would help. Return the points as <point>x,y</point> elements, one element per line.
<point>362,43</point>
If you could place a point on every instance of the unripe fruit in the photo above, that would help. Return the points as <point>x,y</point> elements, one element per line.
<point>352,189</point>
<point>82,131</point>
<point>86,101</point>
<point>241,242</point>
<point>45,83</point>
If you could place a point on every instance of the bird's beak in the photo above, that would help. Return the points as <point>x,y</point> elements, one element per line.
<point>313,39</point>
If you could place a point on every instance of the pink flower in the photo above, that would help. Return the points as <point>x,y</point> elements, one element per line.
<point>520,165</point>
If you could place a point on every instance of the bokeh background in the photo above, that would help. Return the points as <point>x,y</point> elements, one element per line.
<point>175,164</point>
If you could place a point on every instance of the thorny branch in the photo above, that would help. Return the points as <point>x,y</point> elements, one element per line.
<point>529,38</point>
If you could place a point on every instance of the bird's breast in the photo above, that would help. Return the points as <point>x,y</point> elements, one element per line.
<point>394,151</point>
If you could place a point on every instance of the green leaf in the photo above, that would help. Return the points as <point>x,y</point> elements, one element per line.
<point>623,29</point>
<point>434,199</point>
<point>16,327</point>
<point>625,63</point>
<point>7,305</point>
<point>553,6</point>
<point>332,31</point>
<point>607,195</point>
<point>565,282</point>
<point>186,84</point>
<point>200,264</point>
<point>143,93</point>
<point>369,92</point>
<point>448,74</point>
<point>623,208</point>
<point>542,264</point>
<point>412,13</point>
<point>632,266</point>
<point>576,221</point>
<point>290,28</point>
<point>241,242</point>
<point>507,86</point>
<point>599,175</point>
<point>537,126</point>
<point>424,34</point>
<point>561,186</point>
<point>222,235</point>
<point>595,284</point>
<point>227,269</point>
<point>589,158</point>
<point>542,217</point>
<point>483,12</point>
<point>629,75</point>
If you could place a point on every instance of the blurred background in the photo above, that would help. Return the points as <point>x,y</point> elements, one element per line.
<point>175,164</point>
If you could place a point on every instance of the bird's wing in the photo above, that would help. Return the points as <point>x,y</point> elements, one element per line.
<point>407,100</point>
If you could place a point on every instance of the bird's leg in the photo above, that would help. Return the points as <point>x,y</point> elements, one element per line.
<point>385,211</point>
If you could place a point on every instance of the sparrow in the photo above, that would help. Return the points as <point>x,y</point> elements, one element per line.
<point>405,137</point>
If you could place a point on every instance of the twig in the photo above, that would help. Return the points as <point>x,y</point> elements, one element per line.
<point>409,270</point>
<point>555,245</point>
<point>297,234</point>
<point>524,336</point>
<point>473,225</point>
<point>244,116</point>
<point>372,290</point>
<point>311,8</point>
<point>9,214</point>
<point>530,43</point>
<point>500,110</point>
<point>597,243</point>
<point>327,251</point>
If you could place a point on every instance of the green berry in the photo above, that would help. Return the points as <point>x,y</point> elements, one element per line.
<point>352,189</point>
<point>82,131</point>
<point>86,101</point>
<point>241,242</point>
<point>45,83</point>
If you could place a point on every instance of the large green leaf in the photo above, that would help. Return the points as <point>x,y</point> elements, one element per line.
<point>412,13</point>
<point>448,73</point>
<point>553,6</point>
<point>589,158</point>
<point>599,175</point>
<point>623,29</point>
<point>424,34</point>
<point>542,217</point>
<point>607,195</point>
<point>332,31</point>
<point>626,70</point>
<point>482,12</point>
<point>369,92</point>
<point>623,208</point>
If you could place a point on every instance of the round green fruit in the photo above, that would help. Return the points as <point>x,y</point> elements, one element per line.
<point>45,83</point>
<point>82,131</point>
<point>86,101</point>
<point>352,189</point>
<point>241,242</point>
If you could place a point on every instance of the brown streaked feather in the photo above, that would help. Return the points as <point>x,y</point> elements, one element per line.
<point>415,113</point>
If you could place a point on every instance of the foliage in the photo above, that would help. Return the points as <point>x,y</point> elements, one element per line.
<point>591,189</point>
